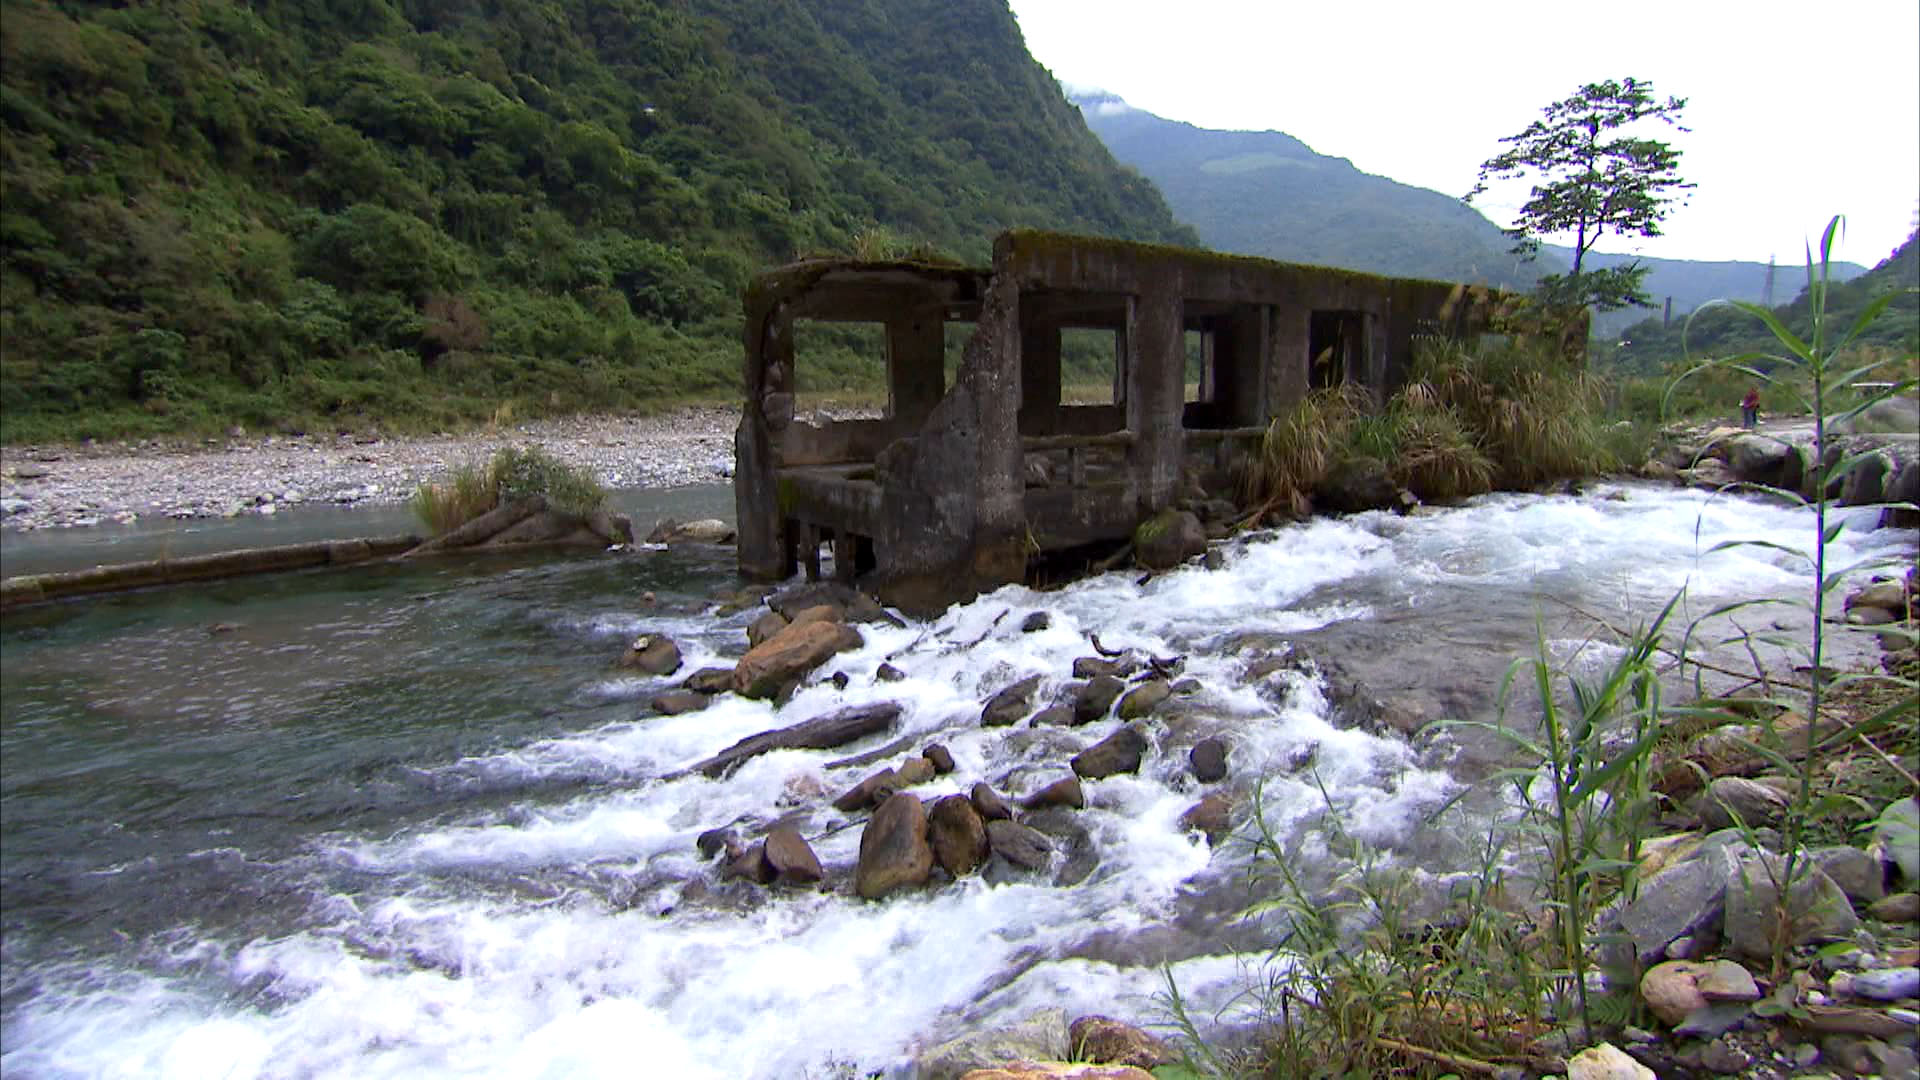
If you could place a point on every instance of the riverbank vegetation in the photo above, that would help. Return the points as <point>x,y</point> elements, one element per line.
<point>473,488</point>
<point>1528,957</point>
<point>407,217</point>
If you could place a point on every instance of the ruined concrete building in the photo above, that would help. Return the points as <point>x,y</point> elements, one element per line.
<point>965,477</point>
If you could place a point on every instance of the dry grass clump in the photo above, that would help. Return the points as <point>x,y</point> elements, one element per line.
<point>472,489</point>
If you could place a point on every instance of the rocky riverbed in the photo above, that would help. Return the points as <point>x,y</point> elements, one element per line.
<point>92,484</point>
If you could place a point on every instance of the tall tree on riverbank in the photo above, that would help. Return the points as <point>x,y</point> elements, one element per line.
<point>1594,177</point>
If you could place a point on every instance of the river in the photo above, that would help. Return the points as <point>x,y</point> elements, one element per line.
<point>406,820</point>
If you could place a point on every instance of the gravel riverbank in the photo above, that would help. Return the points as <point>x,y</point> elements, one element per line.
<point>71,486</point>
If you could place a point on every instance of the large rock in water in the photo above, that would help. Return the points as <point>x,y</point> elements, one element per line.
<point>1042,1036</point>
<point>788,655</point>
<point>792,860</point>
<point>1106,1041</point>
<point>1009,705</point>
<point>894,852</point>
<point>1356,484</point>
<point>958,836</point>
<point>655,654</point>
<point>1168,539</point>
<point>1119,752</point>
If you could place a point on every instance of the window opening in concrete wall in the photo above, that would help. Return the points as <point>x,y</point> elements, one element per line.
<point>957,334</point>
<point>840,368</point>
<point>1089,367</point>
<point>1336,346</point>
<point>1198,376</point>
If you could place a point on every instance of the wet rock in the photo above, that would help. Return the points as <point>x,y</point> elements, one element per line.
<point>654,654</point>
<point>1820,911</point>
<point>888,673</point>
<point>1356,484</point>
<point>1026,848</point>
<point>1889,595</point>
<point>1010,704</point>
<point>1054,716</point>
<point>764,627</point>
<point>791,858</point>
<point>1036,622</point>
<point>1118,753</point>
<point>1186,687</point>
<point>1042,1036</point>
<point>1755,803</point>
<point>894,853</point>
<point>675,702</point>
<point>710,680</point>
<point>1679,901</point>
<point>1857,873</point>
<point>1143,699</point>
<point>958,836</point>
<point>1606,1062</point>
<point>1212,816</point>
<point>1093,698</point>
<point>1896,908</point>
<point>1106,1041</point>
<point>941,757</point>
<point>704,531</point>
<point>714,841</point>
<point>1087,667</point>
<point>873,789</point>
<point>988,803</point>
<point>1066,792</point>
<point>914,772</point>
<point>1759,459</point>
<point>750,864</point>
<point>1168,539</point>
<point>1209,760</point>
<point>787,656</point>
<point>857,606</point>
<point>1079,855</point>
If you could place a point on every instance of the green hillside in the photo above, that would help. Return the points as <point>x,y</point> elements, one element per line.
<point>426,212</point>
<point>1650,348</point>
<point>1267,193</point>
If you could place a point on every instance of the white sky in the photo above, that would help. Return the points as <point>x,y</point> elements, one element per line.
<point>1798,111</point>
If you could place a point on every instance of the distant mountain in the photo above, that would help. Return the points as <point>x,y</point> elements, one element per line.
<point>1267,193</point>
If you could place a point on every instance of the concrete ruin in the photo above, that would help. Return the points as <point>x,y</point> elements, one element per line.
<point>966,477</point>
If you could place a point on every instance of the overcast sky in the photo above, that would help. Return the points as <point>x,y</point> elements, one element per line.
<point>1798,111</point>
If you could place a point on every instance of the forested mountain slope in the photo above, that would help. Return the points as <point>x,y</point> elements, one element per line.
<point>419,212</point>
<point>1267,193</point>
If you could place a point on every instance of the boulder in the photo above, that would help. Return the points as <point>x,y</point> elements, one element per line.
<point>787,656</point>
<point>1080,856</point>
<point>1010,704</point>
<point>817,613</point>
<point>1890,595</point>
<point>873,789</point>
<point>1053,716</point>
<point>988,803</point>
<point>1042,1036</point>
<point>1143,699</point>
<point>710,680</point>
<point>1606,1062</point>
<point>1065,792</point>
<point>1105,1041</point>
<point>1902,907</point>
<point>704,531</point>
<point>894,853</point>
<point>1086,667</point>
<point>768,624</point>
<point>1057,1070</point>
<point>791,859</point>
<point>654,654</point>
<point>1679,901</point>
<point>1168,539</point>
<point>1209,760</point>
<point>1866,480</point>
<point>914,771</point>
<point>1759,459</point>
<point>1092,699</point>
<point>1858,874</point>
<point>857,606</point>
<point>888,673</point>
<point>958,835</point>
<point>1896,834</point>
<point>1118,753</point>
<point>1036,622</point>
<point>1026,848</point>
<point>941,757</point>
<point>1211,816</point>
<point>714,841</point>
<point>675,702</point>
<point>1818,909</point>
<point>749,864</point>
<point>1356,484</point>
<point>1755,803</point>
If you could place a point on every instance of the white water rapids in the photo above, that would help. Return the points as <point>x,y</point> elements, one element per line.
<point>582,935</point>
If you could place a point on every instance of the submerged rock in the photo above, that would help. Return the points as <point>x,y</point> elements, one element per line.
<point>1143,699</point>
<point>1026,848</point>
<point>1093,698</point>
<point>1064,792</point>
<point>1209,760</point>
<point>1118,753</point>
<point>675,702</point>
<point>1009,705</point>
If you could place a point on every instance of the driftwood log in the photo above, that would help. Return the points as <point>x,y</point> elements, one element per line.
<point>38,588</point>
<point>501,517</point>
<point>819,733</point>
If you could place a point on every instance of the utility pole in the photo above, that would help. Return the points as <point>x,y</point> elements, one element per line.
<point>1766,291</point>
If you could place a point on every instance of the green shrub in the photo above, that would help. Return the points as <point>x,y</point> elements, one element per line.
<point>512,473</point>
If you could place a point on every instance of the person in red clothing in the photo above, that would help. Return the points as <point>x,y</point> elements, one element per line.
<point>1750,408</point>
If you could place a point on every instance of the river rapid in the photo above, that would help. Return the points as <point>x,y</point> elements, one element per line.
<point>406,820</point>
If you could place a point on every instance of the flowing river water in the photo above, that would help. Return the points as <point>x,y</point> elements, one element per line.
<point>406,820</point>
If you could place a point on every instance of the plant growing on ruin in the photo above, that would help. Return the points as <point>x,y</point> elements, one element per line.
<point>472,489</point>
<point>1593,176</point>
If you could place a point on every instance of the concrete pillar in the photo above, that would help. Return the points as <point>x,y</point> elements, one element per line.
<point>1039,376</point>
<point>1288,335</point>
<point>916,363</point>
<point>1156,368</point>
<point>761,547</point>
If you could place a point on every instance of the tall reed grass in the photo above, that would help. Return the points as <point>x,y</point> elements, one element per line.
<point>473,488</point>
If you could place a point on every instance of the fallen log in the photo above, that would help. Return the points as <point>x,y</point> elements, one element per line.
<point>819,733</point>
<point>39,588</point>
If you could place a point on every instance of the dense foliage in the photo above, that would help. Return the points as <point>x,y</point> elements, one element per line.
<point>421,212</point>
<point>1594,172</point>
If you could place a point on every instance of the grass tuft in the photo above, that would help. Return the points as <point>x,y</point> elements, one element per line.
<point>472,489</point>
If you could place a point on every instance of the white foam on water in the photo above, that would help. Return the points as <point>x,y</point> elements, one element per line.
<point>433,970</point>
